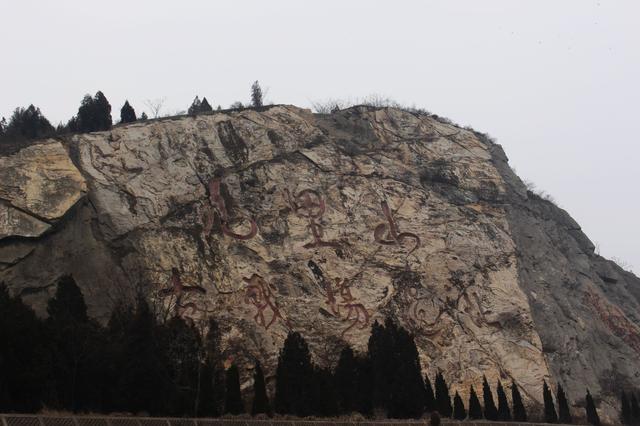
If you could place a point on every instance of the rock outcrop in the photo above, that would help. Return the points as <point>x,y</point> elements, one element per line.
<point>282,219</point>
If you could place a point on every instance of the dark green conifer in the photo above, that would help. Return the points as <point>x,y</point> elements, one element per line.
<point>625,410</point>
<point>294,377</point>
<point>475,409</point>
<point>519,412</point>
<point>459,413</point>
<point>260,399</point>
<point>443,399</point>
<point>346,381</point>
<point>256,95</point>
<point>195,106</point>
<point>504,413</point>
<point>205,106</point>
<point>592,413</point>
<point>635,408</point>
<point>564,414</point>
<point>429,396</point>
<point>233,400</point>
<point>490,410</point>
<point>127,113</point>
<point>550,415</point>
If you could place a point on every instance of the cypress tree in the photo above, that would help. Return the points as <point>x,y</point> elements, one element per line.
<point>233,400</point>
<point>195,106</point>
<point>94,114</point>
<point>205,106</point>
<point>475,409</point>
<point>260,398</point>
<point>143,116</point>
<point>490,410</point>
<point>127,113</point>
<point>380,350</point>
<point>346,381</point>
<point>443,400</point>
<point>635,409</point>
<point>504,413</point>
<point>550,415</point>
<point>407,391</point>
<point>429,397</point>
<point>294,377</point>
<point>364,386</point>
<point>592,413</point>
<point>459,413</point>
<point>564,414</point>
<point>625,410</point>
<point>324,401</point>
<point>519,412</point>
<point>256,95</point>
<point>25,124</point>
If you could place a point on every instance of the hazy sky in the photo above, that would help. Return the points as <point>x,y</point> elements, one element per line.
<point>556,82</point>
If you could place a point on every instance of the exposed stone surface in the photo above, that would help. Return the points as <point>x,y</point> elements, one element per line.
<point>282,219</point>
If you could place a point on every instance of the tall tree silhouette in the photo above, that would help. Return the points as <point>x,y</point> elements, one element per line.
<point>294,384</point>
<point>26,123</point>
<point>429,396</point>
<point>475,409</point>
<point>127,113</point>
<point>381,354</point>
<point>93,115</point>
<point>346,381</point>
<point>519,412</point>
<point>233,401</point>
<point>635,408</point>
<point>364,386</point>
<point>407,388</point>
<point>490,410</point>
<point>325,403</point>
<point>504,413</point>
<point>260,399</point>
<point>256,95</point>
<point>625,410</point>
<point>195,106</point>
<point>459,413</point>
<point>590,408</point>
<point>550,415</point>
<point>443,400</point>
<point>205,106</point>
<point>564,414</point>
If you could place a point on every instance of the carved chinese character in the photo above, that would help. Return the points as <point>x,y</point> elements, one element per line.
<point>259,294</point>
<point>310,205</point>
<point>180,291</point>
<point>388,234</point>
<point>217,202</point>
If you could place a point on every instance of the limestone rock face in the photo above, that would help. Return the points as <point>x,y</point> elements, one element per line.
<point>284,220</point>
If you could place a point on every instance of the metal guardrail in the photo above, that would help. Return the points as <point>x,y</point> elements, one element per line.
<point>48,420</point>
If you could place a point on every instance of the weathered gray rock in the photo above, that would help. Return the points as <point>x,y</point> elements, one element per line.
<point>324,224</point>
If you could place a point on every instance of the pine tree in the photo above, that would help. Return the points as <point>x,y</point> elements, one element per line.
<point>233,401</point>
<point>490,410</point>
<point>260,398</point>
<point>205,106</point>
<point>143,116</point>
<point>256,95</point>
<point>364,386</point>
<point>430,398</point>
<point>346,381</point>
<point>459,413</point>
<point>592,413</point>
<point>504,413</point>
<point>195,106</point>
<point>550,415</point>
<point>93,115</point>
<point>635,409</point>
<point>519,412</point>
<point>127,113</point>
<point>475,409</point>
<point>324,401</point>
<point>294,381</point>
<point>564,414</point>
<point>380,350</point>
<point>443,400</point>
<point>68,303</point>
<point>625,410</point>
<point>25,124</point>
<point>407,389</point>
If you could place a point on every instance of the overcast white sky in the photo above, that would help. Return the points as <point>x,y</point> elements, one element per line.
<point>556,82</point>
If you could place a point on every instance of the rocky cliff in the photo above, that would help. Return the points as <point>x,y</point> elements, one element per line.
<point>283,220</point>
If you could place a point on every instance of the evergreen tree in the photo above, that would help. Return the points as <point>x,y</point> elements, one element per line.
<point>346,381</point>
<point>93,115</point>
<point>127,113</point>
<point>213,399</point>
<point>364,386</point>
<point>23,357</point>
<point>205,106</point>
<point>407,389</point>
<point>550,415</point>
<point>430,398</point>
<point>25,124</point>
<point>490,410</point>
<point>380,350</point>
<point>459,413</point>
<point>475,409</point>
<point>233,401</point>
<point>635,409</point>
<point>592,413</point>
<point>324,399</point>
<point>504,413</point>
<point>143,116</point>
<point>564,414</point>
<point>260,398</point>
<point>195,106</point>
<point>256,95</point>
<point>294,382</point>
<point>443,400</point>
<point>519,412</point>
<point>68,303</point>
<point>625,410</point>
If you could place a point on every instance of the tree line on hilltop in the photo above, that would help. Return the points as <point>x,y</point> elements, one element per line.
<point>138,363</point>
<point>94,114</point>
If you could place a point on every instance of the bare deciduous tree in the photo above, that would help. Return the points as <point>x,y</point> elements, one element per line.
<point>155,106</point>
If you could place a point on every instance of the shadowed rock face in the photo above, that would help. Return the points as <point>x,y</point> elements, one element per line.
<point>282,219</point>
